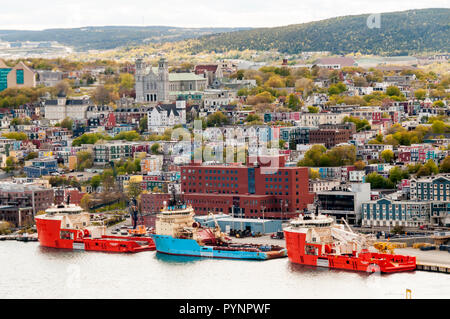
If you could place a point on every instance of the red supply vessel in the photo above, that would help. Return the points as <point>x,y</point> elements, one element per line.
<point>316,240</point>
<point>68,226</point>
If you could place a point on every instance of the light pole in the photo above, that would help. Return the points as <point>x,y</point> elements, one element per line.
<point>264,228</point>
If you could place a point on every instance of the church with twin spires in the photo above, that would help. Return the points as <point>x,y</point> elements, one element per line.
<point>155,85</point>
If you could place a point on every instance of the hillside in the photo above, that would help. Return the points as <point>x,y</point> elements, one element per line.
<point>110,37</point>
<point>400,33</point>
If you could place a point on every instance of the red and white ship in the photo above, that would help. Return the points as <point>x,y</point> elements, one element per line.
<point>316,240</point>
<point>68,226</point>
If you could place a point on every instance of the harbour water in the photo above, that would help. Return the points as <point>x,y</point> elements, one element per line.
<point>28,270</point>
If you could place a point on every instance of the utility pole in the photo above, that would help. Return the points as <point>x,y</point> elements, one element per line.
<point>264,228</point>
<point>241,221</point>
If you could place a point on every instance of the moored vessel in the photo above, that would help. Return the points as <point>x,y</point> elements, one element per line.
<point>177,233</point>
<point>316,240</point>
<point>68,226</point>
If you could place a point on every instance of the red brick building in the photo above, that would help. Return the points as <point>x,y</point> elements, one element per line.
<point>329,138</point>
<point>251,191</point>
<point>153,203</point>
<point>62,193</point>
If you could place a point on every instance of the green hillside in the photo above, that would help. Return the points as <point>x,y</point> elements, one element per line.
<point>109,37</point>
<point>400,33</point>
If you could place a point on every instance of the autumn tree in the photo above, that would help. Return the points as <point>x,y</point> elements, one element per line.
<point>387,156</point>
<point>420,94</point>
<point>217,119</point>
<point>86,201</point>
<point>101,96</point>
<point>134,189</point>
<point>67,123</point>
<point>359,165</point>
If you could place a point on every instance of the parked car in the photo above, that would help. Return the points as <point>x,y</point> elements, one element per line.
<point>277,235</point>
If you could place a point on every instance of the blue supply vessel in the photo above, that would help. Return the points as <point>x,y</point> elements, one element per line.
<point>177,233</point>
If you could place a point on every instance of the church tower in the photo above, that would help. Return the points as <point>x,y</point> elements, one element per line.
<point>139,79</point>
<point>163,80</point>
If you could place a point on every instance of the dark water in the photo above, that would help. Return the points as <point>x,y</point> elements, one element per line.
<point>28,270</point>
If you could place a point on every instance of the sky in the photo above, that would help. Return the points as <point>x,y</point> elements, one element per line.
<point>44,14</point>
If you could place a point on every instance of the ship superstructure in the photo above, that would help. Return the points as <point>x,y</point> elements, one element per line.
<point>317,240</point>
<point>68,226</point>
<point>177,233</point>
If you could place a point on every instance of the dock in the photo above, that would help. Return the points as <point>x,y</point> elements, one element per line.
<point>28,238</point>
<point>433,268</point>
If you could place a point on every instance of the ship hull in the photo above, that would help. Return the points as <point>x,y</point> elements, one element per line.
<point>189,247</point>
<point>365,262</point>
<point>49,235</point>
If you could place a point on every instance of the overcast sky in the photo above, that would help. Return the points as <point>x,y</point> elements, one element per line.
<point>43,14</point>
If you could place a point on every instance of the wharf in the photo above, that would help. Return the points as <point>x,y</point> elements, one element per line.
<point>32,237</point>
<point>433,268</point>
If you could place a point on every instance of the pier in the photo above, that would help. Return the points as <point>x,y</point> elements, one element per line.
<point>32,237</point>
<point>433,268</point>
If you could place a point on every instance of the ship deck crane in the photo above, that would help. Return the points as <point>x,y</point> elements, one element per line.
<point>215,221</point>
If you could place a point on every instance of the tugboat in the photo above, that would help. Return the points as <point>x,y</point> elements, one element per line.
<point>316,240</point>
<point>68,226</point>
<point>177,233</point>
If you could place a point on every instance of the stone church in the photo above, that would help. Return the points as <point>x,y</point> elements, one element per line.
<point>156,85</point>
<point>152,84</point>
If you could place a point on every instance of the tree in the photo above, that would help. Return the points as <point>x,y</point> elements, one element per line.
<point>84,160</point>
<point>396,174</point>
<point>134,189</point>
<point>95,181</point>
<point>67,123</point>
<point>360,81</point>
<point>62,88</point>
<point>31,156</point>
<point>428,169</point>
<point>155,148</point>
<point>101,95</point>
<point>359,165</point>
<point>275,81</point>
<point>293,102</point>
<point>10,164</point>
<point>393,91</point>
<point>387,156</point>
<point>312,156</point>
<point>261,98</point>
<point>445,165</point>
<point>126,81</point>
<point>431,165</point>
<point>129,136</point>
<point>86,201</point>
<point>420,94</point>
<point>242,92</point>
<point>313,109</point>
<point>378,182</point>
<point>305,86</point>
<point>19,136</point>
<point>438,104</point>
<point>143,124</point>
<point>439,127</point>
<point>361,125</point>
<point>217,119</point>
<point>5,228</point>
